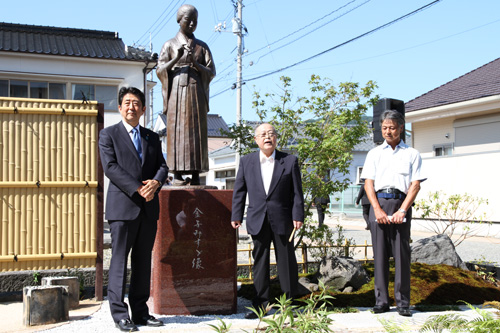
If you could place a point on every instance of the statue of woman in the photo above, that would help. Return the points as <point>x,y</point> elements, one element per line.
<point>185,69</point>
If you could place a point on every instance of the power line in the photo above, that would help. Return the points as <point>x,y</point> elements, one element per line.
<point>410,47</point>
<point>155,31</point>
<point>144,35</point>
<point>346,42</point>
<point>222,78</point>
<point>307,33</point>
<point>300,29</point>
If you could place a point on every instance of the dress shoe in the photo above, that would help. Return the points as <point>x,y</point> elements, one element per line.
<point>381,308</point>
<point>148,321</point>
<point>404,311</point>
<point>251,315</point>
<point>126,325</point>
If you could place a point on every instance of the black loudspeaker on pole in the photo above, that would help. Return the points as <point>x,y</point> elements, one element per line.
<point>382,105</point>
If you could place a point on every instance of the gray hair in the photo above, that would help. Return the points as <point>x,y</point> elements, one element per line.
<point>256,128</point>
<point>392,115</point>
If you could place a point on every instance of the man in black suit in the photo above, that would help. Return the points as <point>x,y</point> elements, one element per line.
<point>132,159</point>
<point>275,207</point>
<point>321,204</point>
<point>365,203</point>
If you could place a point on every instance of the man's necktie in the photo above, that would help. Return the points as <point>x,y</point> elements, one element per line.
<point>137,141</point>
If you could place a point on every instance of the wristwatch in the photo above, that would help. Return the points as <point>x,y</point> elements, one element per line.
<point>402,210</point>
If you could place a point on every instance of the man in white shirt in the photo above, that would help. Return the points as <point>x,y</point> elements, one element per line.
<point>392,181</point>
<point>272,181</point>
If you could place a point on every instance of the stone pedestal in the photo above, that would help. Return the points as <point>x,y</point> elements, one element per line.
<point>45,305</point>
<point>194,257</point>
<point>73,287</point>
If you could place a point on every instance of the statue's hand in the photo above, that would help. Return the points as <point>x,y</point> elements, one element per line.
<point>189,56</point>
<point>180,52</point>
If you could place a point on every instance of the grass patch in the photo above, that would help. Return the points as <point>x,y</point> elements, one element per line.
<point>433,287</point>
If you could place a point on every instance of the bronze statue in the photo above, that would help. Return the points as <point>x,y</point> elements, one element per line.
<point>185,69</point>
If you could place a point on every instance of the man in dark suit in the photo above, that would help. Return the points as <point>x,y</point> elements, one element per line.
<point>365,203</point>
<point>132,159</point>
<point>321,204</point>
<point>275,207</point>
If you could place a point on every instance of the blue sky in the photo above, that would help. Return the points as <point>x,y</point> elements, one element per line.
<point>406,59</point>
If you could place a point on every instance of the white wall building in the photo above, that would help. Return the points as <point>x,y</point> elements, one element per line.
<point>456,129</point>
<point>63,63</point>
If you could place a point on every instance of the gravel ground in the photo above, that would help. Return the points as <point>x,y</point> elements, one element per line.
<point>101,321</point>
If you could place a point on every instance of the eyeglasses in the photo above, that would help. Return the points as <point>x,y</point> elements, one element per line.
<point>265,135</point>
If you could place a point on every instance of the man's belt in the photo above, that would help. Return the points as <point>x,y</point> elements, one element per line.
<point>390,193</point>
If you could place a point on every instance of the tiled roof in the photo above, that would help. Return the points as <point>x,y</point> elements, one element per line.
<point>215,124</point>
<point>366,144</point>
<point>222,151</point>
<point>481,82</point>
<point>68,42</point>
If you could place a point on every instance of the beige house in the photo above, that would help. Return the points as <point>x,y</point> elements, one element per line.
<point>456,128</point>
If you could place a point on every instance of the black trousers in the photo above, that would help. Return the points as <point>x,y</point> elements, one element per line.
<point>286,261</point>
<point>392,239</point>
<point>321,213</point>
<point>137,235</point>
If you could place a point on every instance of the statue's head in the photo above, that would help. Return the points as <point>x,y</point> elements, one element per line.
<point>187,17</point>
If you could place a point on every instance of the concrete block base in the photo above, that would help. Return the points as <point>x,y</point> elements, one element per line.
<point>73,287</point>
<point>45,305</point>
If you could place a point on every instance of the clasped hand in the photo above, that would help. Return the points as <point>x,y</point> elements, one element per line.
<point>382,218</point>
<point>148,189</point>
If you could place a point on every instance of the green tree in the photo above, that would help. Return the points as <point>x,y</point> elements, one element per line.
<point>321,129</point>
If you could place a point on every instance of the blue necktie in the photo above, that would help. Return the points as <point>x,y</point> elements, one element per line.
<point>137,142</point>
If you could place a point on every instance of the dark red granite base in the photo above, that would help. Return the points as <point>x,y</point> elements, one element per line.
<point>194,257</point>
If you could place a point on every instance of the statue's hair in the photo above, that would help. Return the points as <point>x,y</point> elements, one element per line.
<point>184,9</point>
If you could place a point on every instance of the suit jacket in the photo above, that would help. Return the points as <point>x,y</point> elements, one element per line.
<point>284,202</point>
<point>125,171</point>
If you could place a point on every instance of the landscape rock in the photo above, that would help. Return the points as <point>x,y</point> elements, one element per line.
<point>436,250</point>
<point>307,286</point>
<point>342,272</point>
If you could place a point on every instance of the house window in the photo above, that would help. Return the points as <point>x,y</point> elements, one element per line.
<point>108,96</point>
<point>57,90</point>
<point>39,89</point>
<point>229,184</point>
<point>78,91</point>
<point>32,89</point>
<point>4,88</point>
<point>225,173</point>
<point>443,150</point>
<point>19,89</point>
<point>359,170</point>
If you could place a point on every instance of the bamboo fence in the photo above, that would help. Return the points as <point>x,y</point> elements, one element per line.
<point>48,184</point>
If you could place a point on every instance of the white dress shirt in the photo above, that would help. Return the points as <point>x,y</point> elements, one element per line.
<point>393,168</point>
<point>267,168</point>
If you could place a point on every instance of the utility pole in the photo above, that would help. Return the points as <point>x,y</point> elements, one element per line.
<point>238,31</point>
<point>151,92</point>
